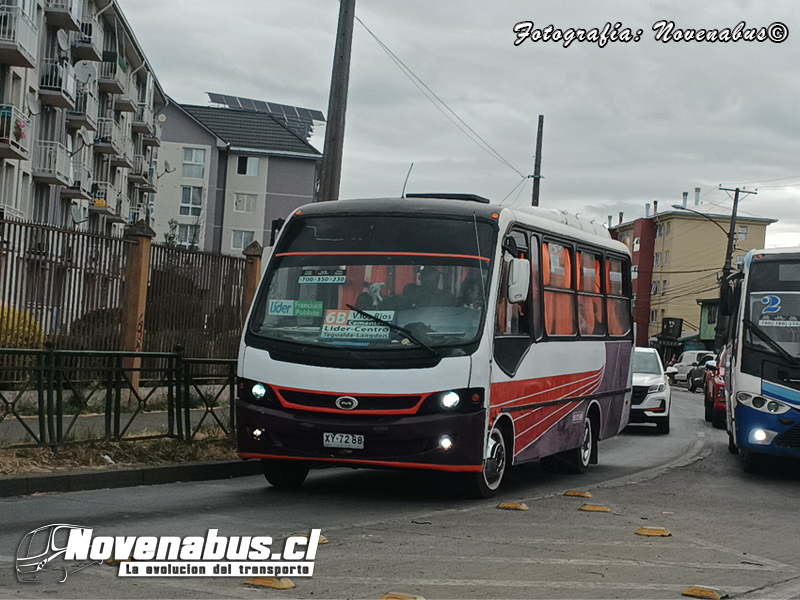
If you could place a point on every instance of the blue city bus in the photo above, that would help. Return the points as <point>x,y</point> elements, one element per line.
<point>763,385</point>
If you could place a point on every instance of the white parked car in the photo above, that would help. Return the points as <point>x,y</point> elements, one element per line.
<point>651,399</point>
<point>687,361</point>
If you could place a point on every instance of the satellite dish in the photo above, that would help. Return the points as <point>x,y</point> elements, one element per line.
<point>162,118</point>
<point>86,136</point>
<point>78,214</point>
<point>166,166</point>
<point>63,40</point>
<point>34,105</point>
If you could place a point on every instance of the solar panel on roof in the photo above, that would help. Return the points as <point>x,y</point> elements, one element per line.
<point>216,98</point>
<point>261,106</point>
<point>247,104</point>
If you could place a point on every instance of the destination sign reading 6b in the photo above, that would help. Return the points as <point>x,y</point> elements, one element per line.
<point>346,317</point>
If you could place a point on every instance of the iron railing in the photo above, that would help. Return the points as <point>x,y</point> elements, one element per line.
<point>80,396</point>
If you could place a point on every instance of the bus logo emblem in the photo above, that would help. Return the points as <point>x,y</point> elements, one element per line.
<point>346,402</point>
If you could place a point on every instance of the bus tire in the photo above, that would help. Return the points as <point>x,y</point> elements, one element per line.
<point>751,461</point>
<point>285,473</point>
<point>486,483</point>
<point>577,460</point>
<point>732,447</point>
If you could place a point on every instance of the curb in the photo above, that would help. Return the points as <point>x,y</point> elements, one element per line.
<point>96,480</point>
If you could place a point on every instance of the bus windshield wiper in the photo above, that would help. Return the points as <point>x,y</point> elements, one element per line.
<point>396,328</point>
<point>769,341</point>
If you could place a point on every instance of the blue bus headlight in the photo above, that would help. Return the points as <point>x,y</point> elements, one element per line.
<point>450,400</point>
<point>259,391</point>
<point>762,404</point>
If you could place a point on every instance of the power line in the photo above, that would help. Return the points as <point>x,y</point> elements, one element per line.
<point>519,183</point>
<point>418,82</point>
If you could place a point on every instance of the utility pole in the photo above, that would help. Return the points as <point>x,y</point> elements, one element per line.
<point>331,170</point>
<point>537,165</point>
<point>722,320</point>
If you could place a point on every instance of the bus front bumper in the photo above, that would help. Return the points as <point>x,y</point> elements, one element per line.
<point>408,441</point>
<point>766,433</point>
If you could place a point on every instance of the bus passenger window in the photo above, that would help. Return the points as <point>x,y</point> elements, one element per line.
<point>590,301</point>
<point>559,300</point>
<point>619,306</point>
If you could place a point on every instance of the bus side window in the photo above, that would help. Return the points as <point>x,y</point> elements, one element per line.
<point>619,306</point>
<point>559,300</point>
<point>590,300</point>
<point>534,302</point>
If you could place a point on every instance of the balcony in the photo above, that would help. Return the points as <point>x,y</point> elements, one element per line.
<point>19,38</point>
<point>153,138</point>
<point>138,174</point>
<point>112,78</point>
<point>151,185</point>
<point>104,199</point>
<point>142,119</point>
<point>58,84</point>
<point>87,44</point>
<point>80,187</point>
<point>124,102</point>
<point>109,137</point>
<point>122,213</point>
<point>86,109</point>
<point>64,14</point>
<point>15,130</point>
<point>51,163</point>
<point>124,158</point>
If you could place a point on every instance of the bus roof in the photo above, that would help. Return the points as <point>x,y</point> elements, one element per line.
<point>552,219</point>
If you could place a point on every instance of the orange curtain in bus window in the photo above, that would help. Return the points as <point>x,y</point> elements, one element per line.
<point>558,306</point>
<point>353,286</point>
<point>619,323</point>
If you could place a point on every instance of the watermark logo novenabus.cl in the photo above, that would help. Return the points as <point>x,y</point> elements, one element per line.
<point>59,550</point>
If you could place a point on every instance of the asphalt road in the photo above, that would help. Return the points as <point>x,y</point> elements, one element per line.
<point>408,532</point>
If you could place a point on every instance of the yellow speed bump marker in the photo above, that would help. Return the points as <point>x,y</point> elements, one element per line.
<point>271,582</point>
<point>322,538</point>
<point>654,532</point>
<point>594,508</point>
<point>513,506</point>
<point>578,494</point>
<point>701,592</point>
<point>399,596</point>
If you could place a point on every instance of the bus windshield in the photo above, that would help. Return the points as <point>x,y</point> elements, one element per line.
<point>774,307</point>
<point>358,282</point>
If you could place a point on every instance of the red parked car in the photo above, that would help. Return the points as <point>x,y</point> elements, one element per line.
<point>714,391</point>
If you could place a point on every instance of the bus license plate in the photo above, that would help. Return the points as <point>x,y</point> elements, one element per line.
<point>343,440</point>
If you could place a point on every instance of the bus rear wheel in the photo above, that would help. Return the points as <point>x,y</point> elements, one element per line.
<point>576,460</point>
<point>486,483</point>
<point>285,473</point>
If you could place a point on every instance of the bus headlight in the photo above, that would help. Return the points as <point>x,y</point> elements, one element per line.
<point>446,442</point>
<point>259,391</point>
<point>450,400</point>
<point>762,404</point>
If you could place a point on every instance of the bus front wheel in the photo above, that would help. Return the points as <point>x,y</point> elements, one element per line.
<point>486,483</point>
<point>285,473</point>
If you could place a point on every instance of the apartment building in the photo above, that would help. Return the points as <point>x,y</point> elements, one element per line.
<point>78,105</point>
<point>677,257</point>
<point>230,170</point>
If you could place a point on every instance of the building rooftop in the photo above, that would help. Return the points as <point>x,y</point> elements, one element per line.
<point>708,210</point>
<point>252,131</point>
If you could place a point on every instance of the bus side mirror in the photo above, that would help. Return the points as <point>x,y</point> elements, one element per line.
<point>519,280</point>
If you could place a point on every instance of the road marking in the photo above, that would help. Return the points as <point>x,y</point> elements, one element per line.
<point>784,590</point>
<point>575,585</point>
<point>779,566</point>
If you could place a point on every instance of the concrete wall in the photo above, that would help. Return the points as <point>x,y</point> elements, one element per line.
<point>290,185</point>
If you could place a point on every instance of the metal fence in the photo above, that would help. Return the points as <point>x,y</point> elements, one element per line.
<point>195,299</point>
<point>64,286</point>
<point>61,400</point>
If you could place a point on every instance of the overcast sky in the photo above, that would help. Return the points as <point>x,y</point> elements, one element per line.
<point>625,125</point>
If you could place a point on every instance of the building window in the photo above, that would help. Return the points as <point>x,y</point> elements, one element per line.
<point>635,272</point>
<point>194,163</point>
<point>657,259</point>
<point>669,227</point>
<point>188,236</point>
<point>666,257</point>
<point>712,313</point>
<point>191,201</point>
<point>659,231</point>
<point>664,288</point>
<point>245,203</point>
<point>742,232</point>
<point>656,288</point>
<point>248,165</point>
<point>636,242</point>
<point>654,316</point>
<point>242,239</point>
